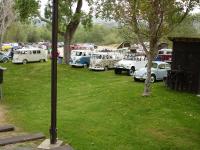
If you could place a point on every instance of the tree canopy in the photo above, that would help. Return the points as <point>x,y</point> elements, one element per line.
<point>70,16</point>
<point>149,19</point>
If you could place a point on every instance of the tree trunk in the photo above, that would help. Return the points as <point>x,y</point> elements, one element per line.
<point>1,41</point>
<point>67,48</point>
<point>147,86</point>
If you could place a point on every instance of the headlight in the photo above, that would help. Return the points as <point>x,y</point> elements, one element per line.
<point>145,74</point>
<point>78,61</point>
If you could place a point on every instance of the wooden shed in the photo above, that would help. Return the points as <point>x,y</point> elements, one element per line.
<point>185,67</point>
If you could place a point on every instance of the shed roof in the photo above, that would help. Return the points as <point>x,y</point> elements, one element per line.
<point>184,39</point>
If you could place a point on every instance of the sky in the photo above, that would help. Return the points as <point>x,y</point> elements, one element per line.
<point>43,3</point>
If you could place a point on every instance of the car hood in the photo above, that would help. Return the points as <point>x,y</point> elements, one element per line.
<point>142,71</point>
<point>125,62</point>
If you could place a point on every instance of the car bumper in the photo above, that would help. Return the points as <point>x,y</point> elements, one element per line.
<point>142,78</point>
<point>122,68</point>
<point>96,68</point>
<point>16,61</point>
<point>76,65</point>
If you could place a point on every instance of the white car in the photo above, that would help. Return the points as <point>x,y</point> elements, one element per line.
<point>158,72</point>
<point>129,65</point>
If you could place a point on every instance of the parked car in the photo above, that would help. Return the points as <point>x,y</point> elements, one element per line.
<point>158,72</point>
<point>130,64</point>
<point>26,55</point>
<point>3,57</point>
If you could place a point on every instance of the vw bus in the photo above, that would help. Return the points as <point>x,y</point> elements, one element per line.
<point>26,55</point>
<point>164,55</point>
<point>80,58</point>
<point>104,60</point>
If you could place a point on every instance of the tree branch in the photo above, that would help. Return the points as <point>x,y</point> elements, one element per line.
<point>49,22</point>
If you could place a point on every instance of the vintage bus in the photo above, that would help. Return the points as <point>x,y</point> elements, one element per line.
<point>104,60</point>
<point>26,55</point>
<point>164,55</point>
<point>80,58</point>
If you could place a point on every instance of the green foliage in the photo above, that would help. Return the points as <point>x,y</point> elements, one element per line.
<point>127,34</point>
<point>67,14</point>
<point>147,18</point>
<point>188,28</point>
<point>98,34</point>
<point>26,8</point>
<point>19,32</point>
<point>101,111</point>
<point>33,35</point>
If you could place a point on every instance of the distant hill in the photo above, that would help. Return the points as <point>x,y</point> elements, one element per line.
<point>110,24</point>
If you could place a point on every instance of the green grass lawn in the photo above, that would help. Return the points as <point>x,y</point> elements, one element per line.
<point>100,110</point>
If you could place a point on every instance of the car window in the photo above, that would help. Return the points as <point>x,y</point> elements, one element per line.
<point>154,65</point>
<point>78,53</point>
<point>24,52</point>
<point>169,53</point>
<point>161,66</point>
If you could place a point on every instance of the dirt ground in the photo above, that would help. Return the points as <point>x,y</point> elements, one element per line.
<point>2,115</point>
<point>21,146</point>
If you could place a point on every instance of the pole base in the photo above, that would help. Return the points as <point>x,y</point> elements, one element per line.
<point>47,145</point>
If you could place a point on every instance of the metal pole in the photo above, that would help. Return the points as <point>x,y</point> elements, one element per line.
<point>53,129</point>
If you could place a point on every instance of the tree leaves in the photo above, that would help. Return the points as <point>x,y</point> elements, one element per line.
<point>26,8</point>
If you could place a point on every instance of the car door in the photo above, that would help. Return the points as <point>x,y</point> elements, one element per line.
<point>34,55</point>
<point>1,56</point>
<point>161,72</point>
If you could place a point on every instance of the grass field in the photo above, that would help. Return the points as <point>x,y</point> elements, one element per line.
<point>102,111</point>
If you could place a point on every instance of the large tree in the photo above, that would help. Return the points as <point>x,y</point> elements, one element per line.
<point>148,19</point>
<point>7,16</point>
<point>70,16</point>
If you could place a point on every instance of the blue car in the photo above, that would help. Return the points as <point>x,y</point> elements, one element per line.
<point>158,72</point>
<point>3,58</point>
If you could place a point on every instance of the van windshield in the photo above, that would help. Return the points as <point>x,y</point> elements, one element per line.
<point>78,53</point>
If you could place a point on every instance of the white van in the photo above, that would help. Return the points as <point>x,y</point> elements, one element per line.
<point>29,55</point>
<point>104,60</point>
<point>80,58</point>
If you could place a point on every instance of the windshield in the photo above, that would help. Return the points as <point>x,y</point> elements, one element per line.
<point>154,65</point>
<point>78,53</point>
<point>128,58</point>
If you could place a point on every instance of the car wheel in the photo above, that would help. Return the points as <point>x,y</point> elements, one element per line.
<point>86,66</point>
<point>5,60</point>
<point>118,71</point>
<point>24,61</point>
<point>42,60</point>
<point>135,79</point>
<point>153,78</point>
<point>131,71</point>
